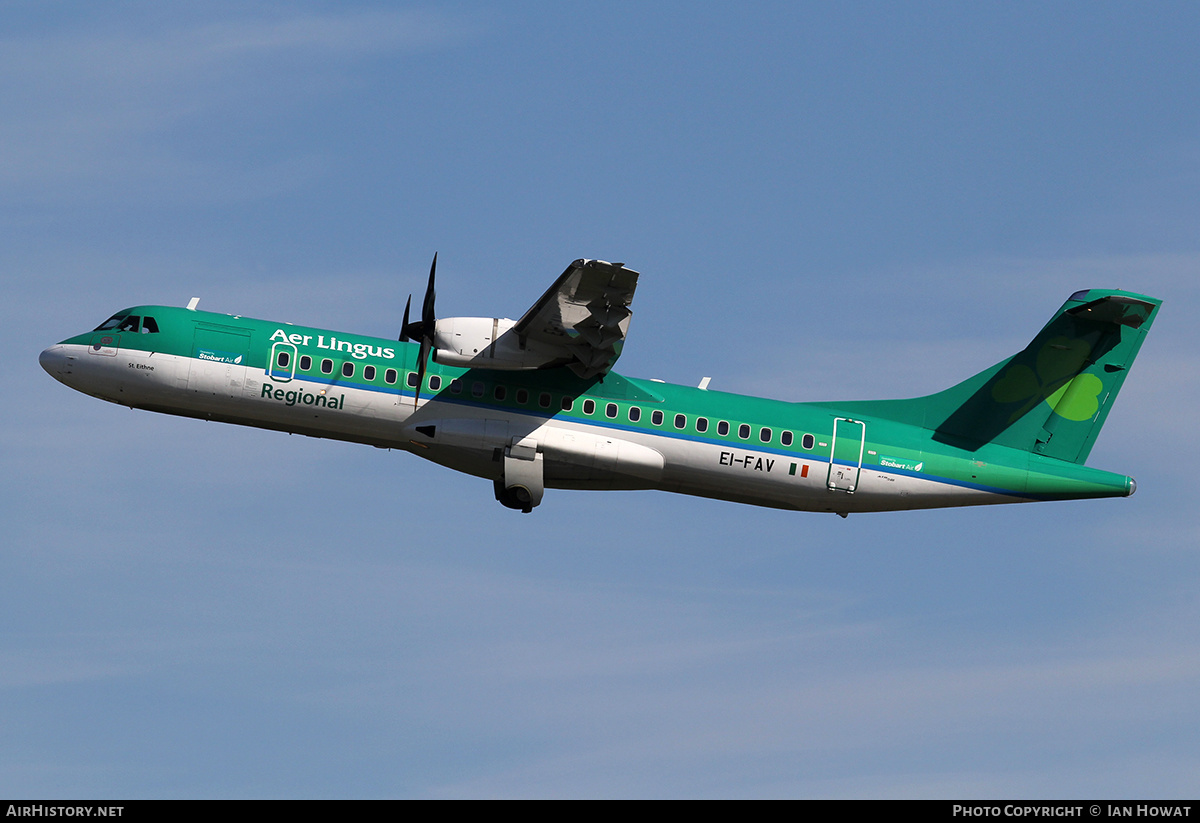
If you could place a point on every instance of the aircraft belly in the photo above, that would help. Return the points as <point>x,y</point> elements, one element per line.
<point>799,481</point>
<point>882,491</point>
<point>235,393</point>
<point>340,411</point>
<point>596,455</point>
<point>573,456</point>
<point>728,472</point>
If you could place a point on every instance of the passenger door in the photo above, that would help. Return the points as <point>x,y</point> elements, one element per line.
<point>846,454</point>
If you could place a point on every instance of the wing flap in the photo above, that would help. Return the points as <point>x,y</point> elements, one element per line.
<point>585,314</point>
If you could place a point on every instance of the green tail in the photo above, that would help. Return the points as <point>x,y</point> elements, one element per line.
<point>1051,398</point>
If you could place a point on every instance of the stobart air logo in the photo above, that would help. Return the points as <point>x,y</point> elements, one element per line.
<point>358,351</point>
<point>901,463</point>
<point>219,356</point>
<point>1056,380</point>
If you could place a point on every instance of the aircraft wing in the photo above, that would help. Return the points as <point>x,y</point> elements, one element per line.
<point>585,315</point>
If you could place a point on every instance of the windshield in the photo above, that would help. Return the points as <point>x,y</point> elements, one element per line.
<point>124,321</point>
<point>112,322</point>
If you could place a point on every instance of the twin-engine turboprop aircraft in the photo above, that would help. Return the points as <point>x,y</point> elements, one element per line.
<point>534,404</point>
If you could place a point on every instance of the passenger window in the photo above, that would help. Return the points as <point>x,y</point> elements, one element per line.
<point>347,369</point>
<point>610,411</point>
<point>744,431</point>
<point>680,421</point>
<point>390,376</point>
<point>785,438</point>
<point>808,441</point>
<point>764,434</point>
<point>500,392</point>
<point>477,389</point>
<point>456,386</point>
<point>567,403</point>
<point>701,424</point>
<point>635,414</point>
<point>305,362</point>
<point>656,417</point>
<point>522,396</point>
<point>283,359</point>
<point>435,382</point>
<point>544,400</point>
<point>723,428</point>
<point>589,406</point>
<point>149,326</point>
<point>368,372</point>
<point>326,366</point>
<point>410,379</point>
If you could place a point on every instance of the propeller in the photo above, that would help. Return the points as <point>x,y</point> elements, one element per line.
<point>421,330</point>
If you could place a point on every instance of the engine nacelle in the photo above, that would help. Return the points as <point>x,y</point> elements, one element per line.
<point>489,343</point>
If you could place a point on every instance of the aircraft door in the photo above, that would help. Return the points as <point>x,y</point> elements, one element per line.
<point>217,365</point>
<point>282,366</point>
<point>846,454</point>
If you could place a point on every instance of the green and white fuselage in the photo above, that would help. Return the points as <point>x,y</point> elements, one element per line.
<point>1014,433</point>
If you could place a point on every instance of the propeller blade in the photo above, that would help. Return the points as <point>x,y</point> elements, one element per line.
<point>422,330</point>
<point>427,317</point>
<point>422,358</point>
<point>403,338</point>
<point>428,322</point>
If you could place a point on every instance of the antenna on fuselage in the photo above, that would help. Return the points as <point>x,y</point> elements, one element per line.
<point>193,303</point>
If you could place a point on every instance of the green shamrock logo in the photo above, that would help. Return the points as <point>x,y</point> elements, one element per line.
<point>1082,398</point>
<point>1055,378</point>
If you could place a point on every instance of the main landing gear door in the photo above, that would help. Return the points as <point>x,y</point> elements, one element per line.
<point>522,486</point>
<point>846,454</point>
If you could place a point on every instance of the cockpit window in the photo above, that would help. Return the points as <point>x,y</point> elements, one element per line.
<point>112,322</point>
<point>130,323</point>
<point>149,326</point>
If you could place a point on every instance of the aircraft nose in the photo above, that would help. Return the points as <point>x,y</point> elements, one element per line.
<point>55,361</point>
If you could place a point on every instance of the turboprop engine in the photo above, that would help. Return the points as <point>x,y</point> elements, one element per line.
<point>489,343</point>
<point>580,323</point>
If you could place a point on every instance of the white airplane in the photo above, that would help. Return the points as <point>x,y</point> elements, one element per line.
<point>533,404</point>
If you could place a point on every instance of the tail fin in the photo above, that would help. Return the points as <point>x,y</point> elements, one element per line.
<point>1051,398</point>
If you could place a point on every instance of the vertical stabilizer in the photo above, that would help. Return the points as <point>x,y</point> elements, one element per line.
<point>1050,398</point>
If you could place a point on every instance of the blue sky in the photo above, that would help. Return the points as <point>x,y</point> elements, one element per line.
<point>826,201</point>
